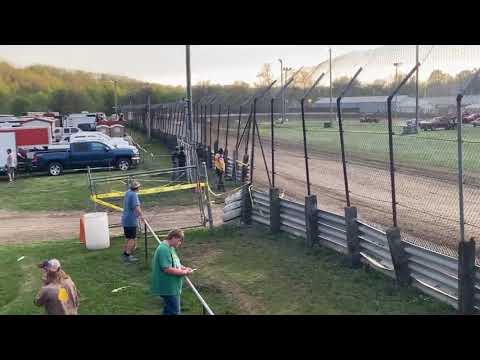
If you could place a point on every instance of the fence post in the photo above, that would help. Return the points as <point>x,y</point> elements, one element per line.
<point>246,206</point>
<point>244,169</point>
<point>274,210</point>
<point>353,243</point>
<point>311,219</point>
<point>466,276</point>
<point>399,256</point>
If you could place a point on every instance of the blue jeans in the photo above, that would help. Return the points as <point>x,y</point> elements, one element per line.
<point>171,305</point>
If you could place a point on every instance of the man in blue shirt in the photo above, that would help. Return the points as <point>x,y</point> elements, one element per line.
<point>130,216</point>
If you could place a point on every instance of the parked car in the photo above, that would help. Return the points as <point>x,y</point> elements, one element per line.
<point>83,154</point>
<point>369,119</point>
<point>476,122</point>
<point>468,119</point>
<point>440,122</point>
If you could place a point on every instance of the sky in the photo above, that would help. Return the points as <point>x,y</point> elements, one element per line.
<point>165,64</point>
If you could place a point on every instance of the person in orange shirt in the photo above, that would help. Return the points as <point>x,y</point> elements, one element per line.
<point>219,164</point>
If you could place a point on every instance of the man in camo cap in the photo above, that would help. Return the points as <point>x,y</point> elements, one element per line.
<point>58,295</point>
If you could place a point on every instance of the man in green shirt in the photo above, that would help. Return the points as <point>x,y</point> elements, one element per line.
<point>168,273</point>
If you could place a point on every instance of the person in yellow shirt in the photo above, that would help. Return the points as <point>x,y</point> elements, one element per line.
<point>219,164</point>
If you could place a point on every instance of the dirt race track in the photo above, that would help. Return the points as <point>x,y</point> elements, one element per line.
<point>27,227</point>
<point>427,200</point>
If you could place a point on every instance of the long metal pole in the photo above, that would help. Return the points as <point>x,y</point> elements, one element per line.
<point>197,294</point>
<point>392,162</point>
<point>307,172</point>
<point>331,93</point>
<point>272,145</point>
<point>116,107</point>
<point>211,120</point>
<point>226,136</point>
<point>340,128</point>
<point>416,87</point>
<point>253,139</point>
<point>189,94</point>
<point>390,143</point>
<point>218,126</point>
<point>281,86</point>
<point>460,166</point>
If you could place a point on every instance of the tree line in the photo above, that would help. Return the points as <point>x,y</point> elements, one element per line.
<point>46,88</point>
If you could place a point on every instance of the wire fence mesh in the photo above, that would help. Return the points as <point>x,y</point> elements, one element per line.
<point>422,131</point>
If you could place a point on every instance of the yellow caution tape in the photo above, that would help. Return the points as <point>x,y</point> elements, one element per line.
<point>104,203</point>
<point>154,190</point>
<point>224,194</point>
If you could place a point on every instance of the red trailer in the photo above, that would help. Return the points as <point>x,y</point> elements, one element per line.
<point>30,137</point>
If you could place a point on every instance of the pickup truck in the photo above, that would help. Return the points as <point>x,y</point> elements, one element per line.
<point>84,154</point>
<point>440,122</point>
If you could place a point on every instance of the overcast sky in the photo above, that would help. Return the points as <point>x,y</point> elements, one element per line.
<point>165,64</point>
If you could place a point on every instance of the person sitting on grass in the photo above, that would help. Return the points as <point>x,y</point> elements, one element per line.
<point>168,272</point>
<point>58,295</point>
<point>131,214</point>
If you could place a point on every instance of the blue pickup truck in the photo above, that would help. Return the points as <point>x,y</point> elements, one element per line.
<point>82,155</point>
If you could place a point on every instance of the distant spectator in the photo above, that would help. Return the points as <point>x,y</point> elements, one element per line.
<point>11,165</point>
<point>182,160</point>
<point>168,272</point>
<point>58,295</point>
<point>219,164</point>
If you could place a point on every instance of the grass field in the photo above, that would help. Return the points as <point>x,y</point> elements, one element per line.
<point>71,191</point>
<point>243,271</point>
<point>426,149</point>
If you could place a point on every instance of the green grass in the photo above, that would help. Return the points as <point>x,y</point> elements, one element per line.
<point>425,150</point>
<point>71,191</point>
<point>241,271</point>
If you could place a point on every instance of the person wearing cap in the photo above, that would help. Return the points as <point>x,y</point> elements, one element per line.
<point>219,164</point>
<point>58,295</point>
<point>167,273</point>
<point>131,213</point>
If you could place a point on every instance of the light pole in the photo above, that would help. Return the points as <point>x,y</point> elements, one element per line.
<point>281,87</point>
<point>287,69</point>
<point>116,108</point>
<point>331,93</point>
<point>397,65</point>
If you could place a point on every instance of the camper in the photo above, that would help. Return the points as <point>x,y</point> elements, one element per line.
<point>84,121</point>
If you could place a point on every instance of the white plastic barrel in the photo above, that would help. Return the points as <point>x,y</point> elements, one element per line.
<point>97,234</point>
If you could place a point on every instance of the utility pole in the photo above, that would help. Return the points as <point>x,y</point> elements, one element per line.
<point>287,69</point>
<point>115,90</point>
<point>416,87</point>
<point>189,96</point>
<point>397,65</point>
<point>283,92</point>
<point>331,93</point>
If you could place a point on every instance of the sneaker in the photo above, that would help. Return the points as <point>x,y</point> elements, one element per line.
<point>130,259</point>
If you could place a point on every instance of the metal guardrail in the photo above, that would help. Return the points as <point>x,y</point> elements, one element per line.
<point>432,272</point>
<point>292,218</point>
<point>205,306</point>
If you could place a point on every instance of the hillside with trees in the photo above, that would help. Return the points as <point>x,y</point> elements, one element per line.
<point>46,88</point>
